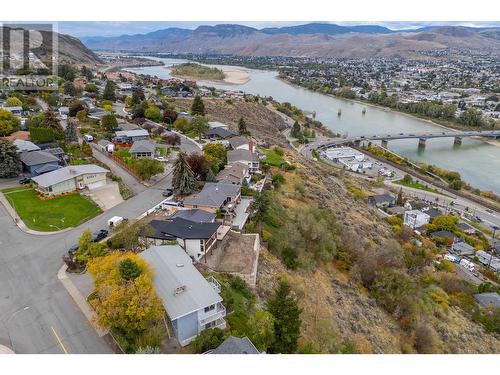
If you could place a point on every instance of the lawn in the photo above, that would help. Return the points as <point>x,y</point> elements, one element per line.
<point>416,185</point>
<point>272,157</point>
<point>51,214</point>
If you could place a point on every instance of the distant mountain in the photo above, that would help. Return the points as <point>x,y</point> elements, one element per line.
<point>70,49</point>
<point>312,39</point>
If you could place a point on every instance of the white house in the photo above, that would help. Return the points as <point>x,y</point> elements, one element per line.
<point>415,218</point>
<point>71,178</point>
<point>193,303</point>
<point>244,156</point>
<point>241,143</point>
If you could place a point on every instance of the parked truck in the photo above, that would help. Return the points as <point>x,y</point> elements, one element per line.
<point>467,264</point>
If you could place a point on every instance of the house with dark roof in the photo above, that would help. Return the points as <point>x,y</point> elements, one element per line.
<point>197,216</point>
<point>432,212</point>
<point>25,146</point>
<point>130,136</point>
<point>196,238</point>
<point>443,234</point>
<point>218,133</point>
<point>466,228</point>
<point>235,345</point>
<point>192,302</point>
<point>143,149</point>
<point>215,196</point>
<point>382,200</point>
<point>251,159</point>
<point>38,162</point>
<point>462,248</point>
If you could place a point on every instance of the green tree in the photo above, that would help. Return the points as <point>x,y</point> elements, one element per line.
<point>295,132</point>
<point>200,126</point>
<point>8,123</point>
<point>286,313</point>
<point>208,339</point>
<point>50,120</point>
<point>153,113</point>
<point>109,122</point>
<point>198,107</point>
<point>260,206</point>
<point>70,134</point>
<point>216,154</point>
<point>182,125</point>
<point>129,269</point>
<point>109,91</point>
<point>10,161</point>
<point>69,89</point>
<point>183,179</point>
<point>13,102</point>
<point>242,127</point>
<point>262,330</point>
<point>90,87</point>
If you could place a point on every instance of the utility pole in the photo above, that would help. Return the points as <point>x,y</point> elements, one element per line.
<point>494,227</point>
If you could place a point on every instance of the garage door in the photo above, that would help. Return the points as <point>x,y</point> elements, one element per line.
<point>97,184</point>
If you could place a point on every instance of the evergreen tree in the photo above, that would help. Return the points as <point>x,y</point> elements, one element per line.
<point>295,132</point>
<point>210,176</point>
<point>200,125</point>
<point>10,161</point>
<point>69,89</point>
<point>70,133</point>
<point>399,200</point>
<point>242,127</point>
<point>109,91</point>
<point>129,269</point>
<point>284,308</point>
<point>198,108</point>
<point>109,122</point>
<point>183,179</point>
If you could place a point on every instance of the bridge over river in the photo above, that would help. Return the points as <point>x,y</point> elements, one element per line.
<point>422,138</point>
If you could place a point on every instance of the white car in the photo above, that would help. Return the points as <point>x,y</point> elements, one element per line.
<point>160,158</point>
<point>88,137</point>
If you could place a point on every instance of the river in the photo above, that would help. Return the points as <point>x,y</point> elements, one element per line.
<point>477,162</point>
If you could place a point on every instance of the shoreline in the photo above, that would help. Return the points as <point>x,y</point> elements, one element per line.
<point>232,76</point>
<point>409,115</point>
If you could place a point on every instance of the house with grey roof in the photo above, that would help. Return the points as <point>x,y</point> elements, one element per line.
<point>38,162</point>
<point>236,173</point>
<point>196,238</point>
<point>215,196</point>
<point>241,143</point>
<point>196,216</point>
<point>249,158</point>
<point>235,345</point>
<point>71,178</point>
<point>143,149</point>
<point>488,299</point>
<point>192,303</point>
<point>382,200</point>
<point>462,248</point>
<point>130,136</point>
<point>23,146</point>
<point>218,133</point>
<point>489,260</point>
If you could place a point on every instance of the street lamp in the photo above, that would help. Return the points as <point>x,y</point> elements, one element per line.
<point>495,228</point>
<point>7,327</point>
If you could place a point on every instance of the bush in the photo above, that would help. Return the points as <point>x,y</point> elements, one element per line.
<point>208,339</point>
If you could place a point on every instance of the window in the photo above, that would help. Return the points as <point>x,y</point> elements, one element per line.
<point>209,308</point>
<point>210,325</point>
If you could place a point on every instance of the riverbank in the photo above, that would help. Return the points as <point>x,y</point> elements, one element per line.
<point>391,110</point>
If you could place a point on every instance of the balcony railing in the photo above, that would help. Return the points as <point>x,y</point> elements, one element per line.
<point>217,313</point>
<point>214,283</point>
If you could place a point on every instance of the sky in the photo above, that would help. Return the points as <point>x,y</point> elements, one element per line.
<point>115,28</point>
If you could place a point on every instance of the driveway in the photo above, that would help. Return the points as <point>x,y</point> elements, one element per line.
<point>241,213</point>
<point>107,196</point>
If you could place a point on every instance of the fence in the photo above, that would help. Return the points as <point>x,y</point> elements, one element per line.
<point>118,161</point>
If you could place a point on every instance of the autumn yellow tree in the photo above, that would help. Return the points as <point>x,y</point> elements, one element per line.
<point>129,305</point>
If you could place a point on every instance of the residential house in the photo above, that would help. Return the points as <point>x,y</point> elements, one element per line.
<point>196,238</point>
<point>462,248</point>
<point>488,299</point>
<point>382,200</point>
<point>219,133</point>
<point>143,149</point>
<point>71,178</point>
<point>130,136</point>
<point>246,157</point>
<point>193,303</point>
<point>106,145</point>
<point>215,196</point>
<point>25,146</point>
<point>38,162</point>
<point>197,216</point>
<point>443,234</point>
<point>488,260</point>
<point>415,219</point>
<point>235,345</point>
<point>241,143</point>
<point>432,212</point>
<point>236,173</point>
<point>466,228</point>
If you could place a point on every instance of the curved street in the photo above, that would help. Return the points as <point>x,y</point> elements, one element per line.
<point>37,315</point>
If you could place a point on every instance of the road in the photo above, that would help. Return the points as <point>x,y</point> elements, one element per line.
<point>37,315</point>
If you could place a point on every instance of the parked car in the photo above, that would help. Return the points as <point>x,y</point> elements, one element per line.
<point>115,220</point>
<point>99,235</point>
<point>488,210</point>
<point>88,137</point>
<point>167,193</point>
<point>160,158</point>
<point>72,249</point>
<point>24,180</point>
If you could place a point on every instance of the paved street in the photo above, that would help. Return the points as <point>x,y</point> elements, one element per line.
<point>37,315</point>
